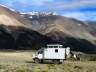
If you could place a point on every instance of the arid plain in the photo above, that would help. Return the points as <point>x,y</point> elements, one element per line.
<point>21,61</point>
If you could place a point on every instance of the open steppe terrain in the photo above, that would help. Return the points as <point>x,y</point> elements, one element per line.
<point>21,61</point>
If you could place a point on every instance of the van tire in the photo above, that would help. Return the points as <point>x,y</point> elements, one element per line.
<point>56,61</point>
<point>41,61</point>
<point>36,60</point>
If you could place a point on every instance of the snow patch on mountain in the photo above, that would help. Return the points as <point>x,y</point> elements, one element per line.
<point>79,24</point>
<point>41,13</point>
<point>31,17</point>
<point>7,7</point>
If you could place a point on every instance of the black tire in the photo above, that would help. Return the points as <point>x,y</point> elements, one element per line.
<point>56,61</point>
<point>36,60</point>
<point>41,61</point>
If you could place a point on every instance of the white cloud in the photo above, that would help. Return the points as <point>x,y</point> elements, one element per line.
<point>50,5</point>
<point>26,2</point>
<point>32,2</point>
<point>85,16</point>
<point>94,19</point>
<point>56,6</point>
<point>24,5</point>
<point>70,5</point>
<point>53,4</point>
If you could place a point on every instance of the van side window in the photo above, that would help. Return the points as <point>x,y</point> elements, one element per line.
<point>56,50</point>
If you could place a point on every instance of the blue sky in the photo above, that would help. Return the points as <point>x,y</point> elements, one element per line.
<point>80,9</point>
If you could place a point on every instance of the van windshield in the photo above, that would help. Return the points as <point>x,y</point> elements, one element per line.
<point>40,52</point>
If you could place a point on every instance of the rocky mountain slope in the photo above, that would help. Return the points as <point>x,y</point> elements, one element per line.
<point>15,34</point>
<point>20,31</point>
<point>67,31</point>
<point>41,21</point>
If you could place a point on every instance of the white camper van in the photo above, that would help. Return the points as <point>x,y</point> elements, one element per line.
<point>54,53</point>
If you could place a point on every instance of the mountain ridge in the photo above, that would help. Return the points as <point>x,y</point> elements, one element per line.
<point>34,30</point>
<point>15,34</point>
<point>59,21</point>
<point>63,30</point>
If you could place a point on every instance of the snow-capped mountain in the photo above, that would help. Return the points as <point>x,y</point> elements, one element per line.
<point>32,15</point>
<point>15,34</point>
<point>17,31</point>
<point>59,28</point>
<point>41,13</point>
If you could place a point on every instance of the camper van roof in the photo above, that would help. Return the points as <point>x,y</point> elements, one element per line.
<point>54,45</point>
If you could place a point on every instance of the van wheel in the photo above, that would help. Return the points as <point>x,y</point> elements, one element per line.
<point>56,61</point>
<point>36,60</point>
